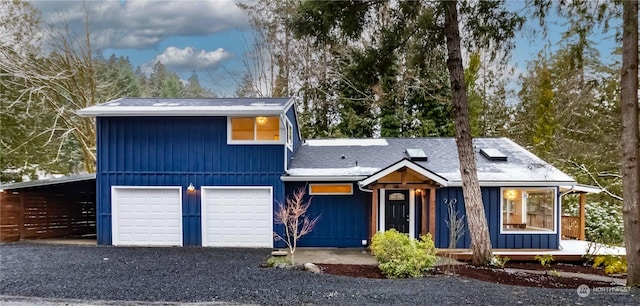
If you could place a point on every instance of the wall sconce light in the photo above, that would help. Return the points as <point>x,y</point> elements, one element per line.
<point>511,195</point>
<point>418,191</point>
<point>261,120</point>
<point>191,188</point>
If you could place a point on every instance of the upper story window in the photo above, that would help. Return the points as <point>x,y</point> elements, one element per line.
<point>289,135</point>
<point>254,129</point>
<point>529,210</point>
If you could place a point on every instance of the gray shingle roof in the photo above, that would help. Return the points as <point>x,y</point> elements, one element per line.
<point>325,158</point>
<point>50,181</point>
<point>188,106</point>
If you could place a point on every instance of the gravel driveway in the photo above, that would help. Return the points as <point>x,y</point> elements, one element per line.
<point>194,274</point>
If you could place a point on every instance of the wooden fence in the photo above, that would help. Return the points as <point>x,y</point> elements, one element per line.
<point>29,215</point>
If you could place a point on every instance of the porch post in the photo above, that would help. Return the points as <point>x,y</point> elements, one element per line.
<point>423,209</point>
<point>583,201</point>
<point>374,213</point>
<point>432,213</point>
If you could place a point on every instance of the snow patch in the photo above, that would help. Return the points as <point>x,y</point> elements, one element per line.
<point>352,171</point>
<point>345,142</point>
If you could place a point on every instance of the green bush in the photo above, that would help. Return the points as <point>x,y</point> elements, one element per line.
<point>499,261</point>
<point>399,256</point>
<point>275,261</point>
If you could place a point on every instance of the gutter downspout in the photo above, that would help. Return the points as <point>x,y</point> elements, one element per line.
<point>364,190</point>
<point>568,191</point>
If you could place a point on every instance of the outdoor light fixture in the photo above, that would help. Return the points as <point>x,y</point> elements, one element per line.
<point>418,191</point>
<point>511,194</point>
<point>191,188</point>
<point>261,120</point>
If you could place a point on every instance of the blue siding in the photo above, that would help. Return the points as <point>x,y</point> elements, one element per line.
<point>291,114</point>
<point>176,151</point>
<point>491,200</point>
<point>343,219</point>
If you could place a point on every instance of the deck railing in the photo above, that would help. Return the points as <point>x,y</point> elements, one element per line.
<point>571,227</point>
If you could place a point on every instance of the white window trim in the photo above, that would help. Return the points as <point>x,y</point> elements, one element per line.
<point>288,127</point>
<point>245,142</point>
<point>412,211</point>
<point>555,212</point>
<point>331,193</point>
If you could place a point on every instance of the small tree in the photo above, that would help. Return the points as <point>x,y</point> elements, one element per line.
<point>455,223</point>
<point>293,215</point>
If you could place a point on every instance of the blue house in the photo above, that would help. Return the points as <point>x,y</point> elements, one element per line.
<point>210,172</point>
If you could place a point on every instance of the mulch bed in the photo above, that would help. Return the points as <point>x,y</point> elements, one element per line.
<point>486,274</point>
<point>564,267</point>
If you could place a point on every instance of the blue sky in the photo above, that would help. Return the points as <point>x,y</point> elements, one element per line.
<point>211,37</point>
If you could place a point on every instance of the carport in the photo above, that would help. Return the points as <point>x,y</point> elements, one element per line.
<point>51,208</point>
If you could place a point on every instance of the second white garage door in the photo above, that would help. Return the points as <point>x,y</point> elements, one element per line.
<point>237,216</point>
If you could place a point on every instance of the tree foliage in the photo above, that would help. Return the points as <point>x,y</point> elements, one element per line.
<point>47,73</point>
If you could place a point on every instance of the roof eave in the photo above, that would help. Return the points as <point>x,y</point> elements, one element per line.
<point>102,111</point>
<point>517,183</point>
<point>346,178</point>
<point>436,178</point>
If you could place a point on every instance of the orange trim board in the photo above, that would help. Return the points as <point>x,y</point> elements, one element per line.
<point>331,188</point>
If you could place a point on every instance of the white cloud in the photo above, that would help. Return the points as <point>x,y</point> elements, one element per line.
<point>140,24</point>
<point>188,59</point>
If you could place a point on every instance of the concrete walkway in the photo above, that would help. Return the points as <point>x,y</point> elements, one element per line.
<point>355,256</point>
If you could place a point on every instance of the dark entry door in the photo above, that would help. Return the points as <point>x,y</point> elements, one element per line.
<point>397,210</point>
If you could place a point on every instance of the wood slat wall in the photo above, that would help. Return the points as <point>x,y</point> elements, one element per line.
<point>9,216</point>
<point>29,215</point>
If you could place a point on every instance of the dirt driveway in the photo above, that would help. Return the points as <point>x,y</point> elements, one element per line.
<point>193,274</point>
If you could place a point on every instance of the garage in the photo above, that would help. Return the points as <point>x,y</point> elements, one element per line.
<point>147,216</point>
<point>237,216</point>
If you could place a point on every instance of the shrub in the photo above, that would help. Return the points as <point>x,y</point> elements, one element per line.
<point>275,261</point>
<point>545,260</point>
<point>612,264</point>
<point>399,256</point>
<point>498,261</point>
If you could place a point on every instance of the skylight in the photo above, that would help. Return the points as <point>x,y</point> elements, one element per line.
<point>416,154</point>
<point>493,154</point>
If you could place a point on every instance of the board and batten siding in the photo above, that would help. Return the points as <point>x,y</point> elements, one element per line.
<point>343,219</point>
<point>292,116</point>
<point>491,200</point>
<point>176,151</point>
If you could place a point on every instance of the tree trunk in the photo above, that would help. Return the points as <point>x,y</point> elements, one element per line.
<point>476,220</point>
<point>630,154</point>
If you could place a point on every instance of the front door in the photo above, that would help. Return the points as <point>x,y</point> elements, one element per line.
<point>397,210</point>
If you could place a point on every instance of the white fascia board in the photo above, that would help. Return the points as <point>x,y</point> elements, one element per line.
<point>517,184</point>
<point>321,178</point>
<point>580,188</point>
<point>401,164</point>
<point>124,111</point>
<point>287,106</point>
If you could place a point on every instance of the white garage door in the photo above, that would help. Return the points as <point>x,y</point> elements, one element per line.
<point>237,216</point>
<point>146,216</point>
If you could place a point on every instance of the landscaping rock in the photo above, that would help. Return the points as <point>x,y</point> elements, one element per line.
<point>296,267</point>
<point>281,265</point>
<point>311,268</point>
<point>279,253</point>
<point>228,276</point>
